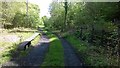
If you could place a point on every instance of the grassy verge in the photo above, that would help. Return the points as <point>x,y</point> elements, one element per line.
<point>55,55</point>
<point>92,55</point>
<point>5,53</point>
<point>9,50</point>
<point>35,41</point>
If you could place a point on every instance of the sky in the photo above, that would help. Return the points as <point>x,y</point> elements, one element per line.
<point>44,6</point>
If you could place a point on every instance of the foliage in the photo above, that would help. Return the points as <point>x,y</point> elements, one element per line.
<point>15,14</point>
<point>92,22</point>
<point>92,55</point>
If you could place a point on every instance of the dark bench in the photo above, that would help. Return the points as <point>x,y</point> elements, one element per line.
<point>27,42</point>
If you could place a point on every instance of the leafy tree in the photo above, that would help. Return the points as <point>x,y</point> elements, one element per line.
<point>14,13</point>
<point>90,21</point>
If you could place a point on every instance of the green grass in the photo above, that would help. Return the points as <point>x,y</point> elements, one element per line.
<point>55,55</point>
<point>6,53</point>
<point>35,41</point>
<point>8,48</point>
<point>92,55</point>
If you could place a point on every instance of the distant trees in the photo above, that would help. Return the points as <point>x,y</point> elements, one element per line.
<point>14,14</point>
<point>30,20</point>
<point>57,16</point>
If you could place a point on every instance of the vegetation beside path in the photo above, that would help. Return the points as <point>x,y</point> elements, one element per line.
<point>92,55</point>
<point>8,50</point>
<point>97,24</point>
<point>55,55</point>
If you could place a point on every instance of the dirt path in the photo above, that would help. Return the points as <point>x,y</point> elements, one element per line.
<point>35,56</point>
<point>71,59</point>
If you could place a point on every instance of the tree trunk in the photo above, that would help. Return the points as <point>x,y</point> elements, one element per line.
<point>81,31</point>
<point>118,45</point>
<point>102,37</point>
<point>65,20</point>
<point>27,13</point>
<point>92,34</point>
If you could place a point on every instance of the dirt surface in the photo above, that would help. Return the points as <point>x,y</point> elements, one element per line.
<point>35,56</point>
<point>71,59</point>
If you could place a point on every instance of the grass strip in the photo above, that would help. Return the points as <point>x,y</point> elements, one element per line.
<point>55,55</point>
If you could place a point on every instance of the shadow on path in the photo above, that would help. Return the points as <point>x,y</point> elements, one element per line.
<point>35,56</point>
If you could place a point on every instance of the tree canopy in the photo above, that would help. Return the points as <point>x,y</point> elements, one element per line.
<point>90,21</point>
<point>14,14</point>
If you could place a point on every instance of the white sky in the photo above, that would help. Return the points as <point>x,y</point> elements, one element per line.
<point>44,5</point>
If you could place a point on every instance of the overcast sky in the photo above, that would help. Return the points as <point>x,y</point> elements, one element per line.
<point>44,6</point>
